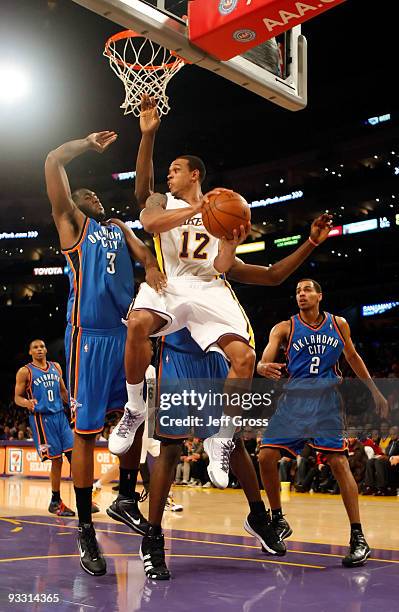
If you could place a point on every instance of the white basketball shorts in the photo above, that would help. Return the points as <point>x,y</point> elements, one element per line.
<point>209,309</point>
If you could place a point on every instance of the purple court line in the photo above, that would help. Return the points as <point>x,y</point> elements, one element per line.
<point>210,572</point>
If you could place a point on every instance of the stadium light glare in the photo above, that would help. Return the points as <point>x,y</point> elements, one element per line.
<point>14,84</point>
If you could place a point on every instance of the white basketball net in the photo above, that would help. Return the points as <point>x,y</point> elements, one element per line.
<point>144,68</point>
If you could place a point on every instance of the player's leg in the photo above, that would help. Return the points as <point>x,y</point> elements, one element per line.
<point>258,523</point>
<point>219,447</point>
<point>359,549</point>
<point>56,505</point>
<point>152,549</point>
<point>125,508</point>
<point>268,465</point>
<point>88,381</point>
<point>141,325</point>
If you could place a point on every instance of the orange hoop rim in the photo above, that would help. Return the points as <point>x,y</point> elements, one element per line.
<point>132,34</point>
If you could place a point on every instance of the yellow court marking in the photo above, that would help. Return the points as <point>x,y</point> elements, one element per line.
<point>41,557</point>
<point>16,529</point>
<point>64,533</point>
<point>8,520</point>
<point>196,541</point>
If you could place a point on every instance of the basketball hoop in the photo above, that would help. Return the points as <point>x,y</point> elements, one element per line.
<point>144,67</point>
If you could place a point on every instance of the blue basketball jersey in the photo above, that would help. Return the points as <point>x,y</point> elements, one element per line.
<point>44,386</point>
<point>101,277</point>
<point>313,352</point>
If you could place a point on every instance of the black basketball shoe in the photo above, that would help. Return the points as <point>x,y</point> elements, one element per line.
<point>91,558</point>
<point>126,510</point>
<point>152,553</point>
<point>281,526</point>
<point>60,509</point>
<point>261,527</point>
<point>359,551</point>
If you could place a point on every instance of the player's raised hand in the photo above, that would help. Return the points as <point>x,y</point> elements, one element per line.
<point>30,404</point>
<point>156,279</point>
<point>149,116</point>
<point>270,370</point>
<point>100,141</point>
<point>381,404</point>
<point>320,228</point>
<point>239,236</point>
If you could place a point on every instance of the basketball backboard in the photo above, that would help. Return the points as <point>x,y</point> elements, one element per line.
<point>162,21</point>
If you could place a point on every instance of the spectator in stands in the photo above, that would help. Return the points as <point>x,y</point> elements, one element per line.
<point>384,435</point>
<point>371,444</point>
<point>197,463</point>
<point>183,467</point>
<point>380,474</point>
<point>287,468</point>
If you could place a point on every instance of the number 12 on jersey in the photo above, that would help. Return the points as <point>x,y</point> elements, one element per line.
<point>203,240</point>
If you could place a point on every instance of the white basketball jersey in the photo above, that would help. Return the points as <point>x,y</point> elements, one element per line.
<point>187,250</point>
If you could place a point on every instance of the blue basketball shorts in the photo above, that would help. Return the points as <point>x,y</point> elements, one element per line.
<point>52,434</point>
<point>178,372</point>
<point>307,418</point>
<point>95,374</point>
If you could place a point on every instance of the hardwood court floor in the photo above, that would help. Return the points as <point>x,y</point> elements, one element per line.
<point>216,566</point>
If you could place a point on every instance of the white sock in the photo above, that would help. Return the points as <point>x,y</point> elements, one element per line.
<point>227,430</point>
<point>135,396</point>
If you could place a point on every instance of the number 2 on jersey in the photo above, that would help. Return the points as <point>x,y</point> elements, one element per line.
<point>203,240</point>
<point>314,366</point>
<point>111,265</point>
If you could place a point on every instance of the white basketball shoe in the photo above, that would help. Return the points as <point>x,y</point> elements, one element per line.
<point>219,451</point>
<point>122,436</point>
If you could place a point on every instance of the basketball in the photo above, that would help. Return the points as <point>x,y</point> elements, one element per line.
<point>224,213</point>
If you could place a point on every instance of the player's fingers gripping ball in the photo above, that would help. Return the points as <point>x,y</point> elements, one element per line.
<point>223,212</point>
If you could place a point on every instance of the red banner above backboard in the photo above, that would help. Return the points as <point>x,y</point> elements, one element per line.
<point>226,28</point>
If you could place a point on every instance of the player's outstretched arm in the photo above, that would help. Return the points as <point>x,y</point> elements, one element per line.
<point>281,270</point>
<point>360,369</point>
<point>156,219</point>
<point>278,337</point>
<point>149,124</point>
<point>140,252</point>
<point>21,384</point>
<point>67,216</point>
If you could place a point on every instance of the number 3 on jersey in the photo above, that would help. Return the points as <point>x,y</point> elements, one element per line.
<point>314,366</point>
<point>111,266</point>
<point>198,253</point>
